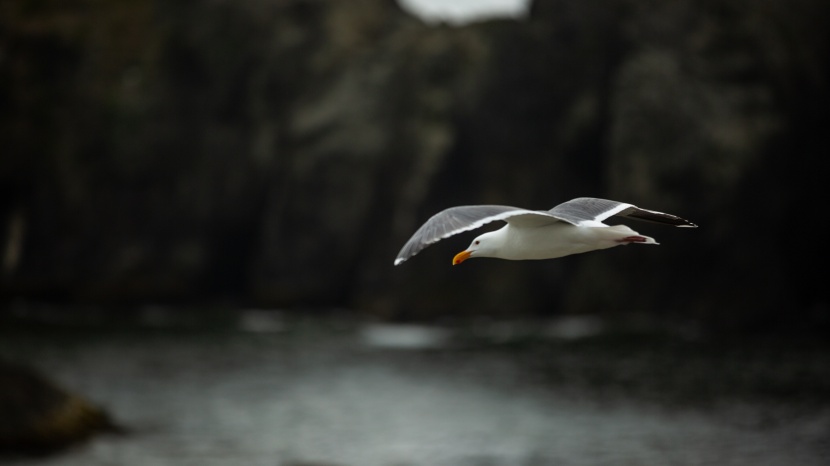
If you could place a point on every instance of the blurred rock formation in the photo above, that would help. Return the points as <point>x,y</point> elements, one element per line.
<point>40,417</point>
<point>279,152</point>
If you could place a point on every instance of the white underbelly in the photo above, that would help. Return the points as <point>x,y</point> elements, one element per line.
<point>559,240</point>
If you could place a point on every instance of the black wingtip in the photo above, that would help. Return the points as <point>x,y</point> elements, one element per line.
<point>659,217</point>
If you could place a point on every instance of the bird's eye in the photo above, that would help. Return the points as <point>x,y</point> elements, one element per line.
<point>477,242</point>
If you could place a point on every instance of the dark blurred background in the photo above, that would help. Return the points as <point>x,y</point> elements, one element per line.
<point>276,154</point>
<point>279,153</point>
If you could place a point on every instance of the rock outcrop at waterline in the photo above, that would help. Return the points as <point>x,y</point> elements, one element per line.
<point>40,418</point>
<point>280,152</point>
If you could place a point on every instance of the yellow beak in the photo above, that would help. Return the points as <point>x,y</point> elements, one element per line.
<point>461,257</point>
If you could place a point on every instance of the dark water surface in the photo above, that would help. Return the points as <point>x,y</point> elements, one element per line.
<point>264,390</point>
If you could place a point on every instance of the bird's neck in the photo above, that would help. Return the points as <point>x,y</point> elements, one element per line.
<point>500,244</point>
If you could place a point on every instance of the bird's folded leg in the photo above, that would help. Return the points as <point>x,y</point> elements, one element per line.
<point>633,239</point>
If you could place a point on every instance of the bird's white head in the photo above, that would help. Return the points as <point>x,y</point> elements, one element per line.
<point>486,245</point>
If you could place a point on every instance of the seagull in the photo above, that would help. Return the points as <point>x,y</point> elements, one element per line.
<point>572,227</point>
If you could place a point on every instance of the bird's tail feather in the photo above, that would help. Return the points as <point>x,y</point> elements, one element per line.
<point>625,235</point>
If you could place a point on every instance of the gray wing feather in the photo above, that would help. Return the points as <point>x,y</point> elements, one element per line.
<point>456,220</point>
<point>585,209</point>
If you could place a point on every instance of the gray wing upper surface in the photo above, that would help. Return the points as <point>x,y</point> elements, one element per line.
<point>464,218</point>
<point>456,220</point>
<point>584,209</point>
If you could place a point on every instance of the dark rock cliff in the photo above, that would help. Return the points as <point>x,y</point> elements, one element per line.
<point>280,152</point>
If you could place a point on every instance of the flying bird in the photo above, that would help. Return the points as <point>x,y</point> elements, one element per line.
<point>572,227</point>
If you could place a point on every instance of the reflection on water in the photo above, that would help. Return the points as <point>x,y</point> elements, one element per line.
<point>264,390</point>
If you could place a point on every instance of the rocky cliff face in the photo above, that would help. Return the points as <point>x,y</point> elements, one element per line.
<point>280,152</point>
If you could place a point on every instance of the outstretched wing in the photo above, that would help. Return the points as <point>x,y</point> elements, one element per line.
<point>456,220</point>
<point>584,210</point>
<point>580,211</point>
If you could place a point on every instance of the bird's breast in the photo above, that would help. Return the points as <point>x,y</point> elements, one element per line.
<point>548,242</point>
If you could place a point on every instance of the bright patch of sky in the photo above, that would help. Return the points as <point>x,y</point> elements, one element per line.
<point>465,11</point>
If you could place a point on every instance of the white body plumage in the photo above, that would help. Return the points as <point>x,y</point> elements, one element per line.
<point>569,228</point>
<point>560,239</point>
